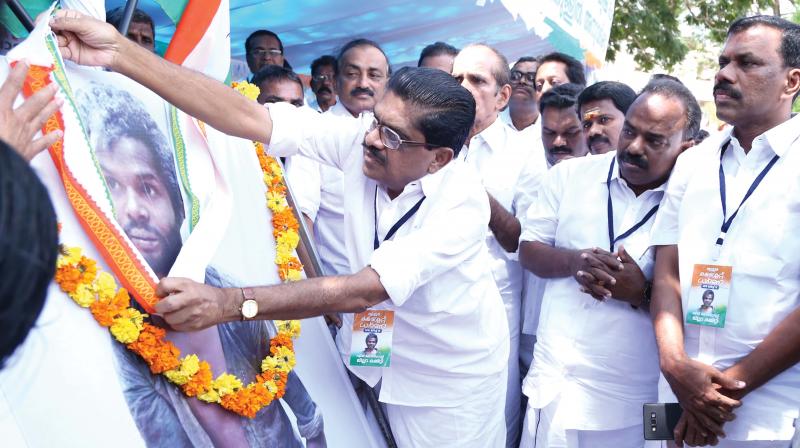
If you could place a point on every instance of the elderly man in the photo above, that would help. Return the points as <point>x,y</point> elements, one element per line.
<point>323,76</point>
<point>601,108</point>
<point>523,108</point>
<point>734,207</point>
<point>595,360</point>
<point>450,339</point>
<point>496,151</point>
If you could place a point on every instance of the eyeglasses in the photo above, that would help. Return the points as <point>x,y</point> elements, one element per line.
<point>391,139</point>
<point>260,52</point>
<point>517,76</point>
<point>322,78</point>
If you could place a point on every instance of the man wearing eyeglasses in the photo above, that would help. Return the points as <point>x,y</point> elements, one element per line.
<point>323,77</point>
<point>523,109</point>
<point>416,227</point>
<point>263,47</point>
<point>498,154</point>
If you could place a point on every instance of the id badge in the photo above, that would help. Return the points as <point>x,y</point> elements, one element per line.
<point>371,345</point>
<point>708,297</point>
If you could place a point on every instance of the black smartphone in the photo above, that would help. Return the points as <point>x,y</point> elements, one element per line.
<point>660,420</point>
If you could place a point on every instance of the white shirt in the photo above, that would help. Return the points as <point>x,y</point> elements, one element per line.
<point>318,190</point>
<point>498,155</point>
<point>763,248</point>
<point>450,331</point>
<point>599,357</point>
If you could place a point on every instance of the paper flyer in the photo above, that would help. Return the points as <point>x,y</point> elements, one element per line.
<point>708,296</point>
<point>371,345</point>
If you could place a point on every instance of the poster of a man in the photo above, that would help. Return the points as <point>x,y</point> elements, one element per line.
<point>138,166</point>
<point>708,298</point>
<point>372,342</point>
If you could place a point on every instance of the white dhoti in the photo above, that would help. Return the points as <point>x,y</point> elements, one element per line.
<point>547,428</point>
<point>478,422</point>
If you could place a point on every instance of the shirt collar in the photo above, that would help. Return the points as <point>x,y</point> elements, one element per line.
<point>339,110</point>
<point>779,139</point>
<point>494,135</point>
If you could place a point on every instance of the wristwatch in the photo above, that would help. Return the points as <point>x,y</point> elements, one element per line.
<point>249,306</point>
<point>648,289</point>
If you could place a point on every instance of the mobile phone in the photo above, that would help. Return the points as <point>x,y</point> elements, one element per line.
<point>660,420</point>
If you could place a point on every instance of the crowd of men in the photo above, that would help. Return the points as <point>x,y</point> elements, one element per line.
<point>543,243</point>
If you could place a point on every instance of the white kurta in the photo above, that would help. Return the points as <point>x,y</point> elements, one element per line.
<point>598,358</point>
<point>763,249</point>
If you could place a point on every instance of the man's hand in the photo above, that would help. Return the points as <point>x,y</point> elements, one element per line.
<point>689,430</point>
<point>190,306</point>
<point>86,40</point>
<point>697,387</point>
<point>19,126</point>
<point>593,268</point>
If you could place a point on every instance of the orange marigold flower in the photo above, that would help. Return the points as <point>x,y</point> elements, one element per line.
<point>68,278</point>
<point>104,312</point>
<point>280,340</point>
<point>159,354</point>
<point>200,382</point>
<point>88,269</point>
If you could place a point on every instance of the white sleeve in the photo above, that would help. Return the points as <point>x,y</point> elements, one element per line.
<point>541,219</point>
<point>305,180</point>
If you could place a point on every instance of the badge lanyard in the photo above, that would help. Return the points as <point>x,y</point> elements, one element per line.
<point>612,240</point>
<point>726,223</point>
<point>376,243</point>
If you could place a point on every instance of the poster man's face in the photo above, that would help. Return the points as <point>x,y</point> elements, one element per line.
<point>142,202</point>
<point>708,297</point>
<point>371,343</point>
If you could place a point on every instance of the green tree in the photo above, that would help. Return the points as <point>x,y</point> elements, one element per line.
<point>650,29</point>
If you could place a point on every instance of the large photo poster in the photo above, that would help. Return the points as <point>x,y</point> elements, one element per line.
<point>159,190</point>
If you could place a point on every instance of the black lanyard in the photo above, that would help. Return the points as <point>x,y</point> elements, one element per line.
<point>726,223</point>
<point>612,240</point>
<point>376,243</point>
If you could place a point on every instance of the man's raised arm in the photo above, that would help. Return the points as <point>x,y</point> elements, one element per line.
<point>88,41</point>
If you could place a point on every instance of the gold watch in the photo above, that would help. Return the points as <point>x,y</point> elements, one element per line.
<point>249,306</point>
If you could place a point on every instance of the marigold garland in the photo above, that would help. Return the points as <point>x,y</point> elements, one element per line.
<point>80,278</point>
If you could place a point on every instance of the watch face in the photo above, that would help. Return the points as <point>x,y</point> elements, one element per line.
<point>249,309</point>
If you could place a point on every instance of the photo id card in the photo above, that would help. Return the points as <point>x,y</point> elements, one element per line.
<point>371,345</point>
<point>708,297</point>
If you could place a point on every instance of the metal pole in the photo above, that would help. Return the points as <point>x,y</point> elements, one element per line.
<point>130,6</point>
<point>21,14</point>
<point>313,259</point>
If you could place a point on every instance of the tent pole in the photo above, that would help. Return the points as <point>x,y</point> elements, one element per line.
<point>130,6</point>
<point>21,14</point>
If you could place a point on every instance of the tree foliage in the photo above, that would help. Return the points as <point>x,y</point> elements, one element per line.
<point>650,29</point>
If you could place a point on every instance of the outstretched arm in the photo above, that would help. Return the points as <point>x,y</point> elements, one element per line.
<point>88,41</point>
<point>190,306</point>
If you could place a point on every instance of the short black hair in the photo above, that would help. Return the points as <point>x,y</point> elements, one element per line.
<point>28,249</point>
<point>361,42</point>
<point>322,61</point>
<point>275,73</point>
<point>561,96</point>
<point>575,72</point>
<point>527,59</point>
<point>790,32</point>
<point>444,110</point>
<point>620,94</point>
<point>673,89</point>
<point>436,49</point>
<point>114,17</point>
<point>664,76</point>
<point>248,43</point>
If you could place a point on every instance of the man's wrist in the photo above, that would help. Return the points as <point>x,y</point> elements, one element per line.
<point>232,303</point>
<point>671,360</point>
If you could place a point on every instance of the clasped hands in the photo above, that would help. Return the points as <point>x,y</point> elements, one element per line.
<point>604,275</point>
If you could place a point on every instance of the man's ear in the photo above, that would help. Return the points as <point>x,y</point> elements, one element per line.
<point>686,144</point>
<point>441,157</point>
<point>503,95</point>
<point>792,82</point>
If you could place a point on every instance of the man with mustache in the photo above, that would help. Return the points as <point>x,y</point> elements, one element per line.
<point>323,75</point>
<point>734,202</point>
<point>602,107</point>
<point>416,228</point>
<point>588,235</point>
<point>522,113</point>
<point>562,133</point>
<point>509,173</point>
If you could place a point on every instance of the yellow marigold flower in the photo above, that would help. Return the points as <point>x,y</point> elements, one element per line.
<point>271,387</point>
<point>289,326</point>
<point>189,366</point>
<point>269,363</point>
<point>105,286</point>
<point>286,356</point>
<point>134,316</point>
<point>294,275</point>
<point>211,396</point>
<point>247,89</point>
<point>226,383</point>
<point>124,330</point>
<point>83,295</point>
<point>274,203</point>
<point>289,238</point>
<point>282,255</point>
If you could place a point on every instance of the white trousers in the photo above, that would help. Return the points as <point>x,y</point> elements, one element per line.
<point>735,444</point>
<point>544,428</point>
<point>478,423</point>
